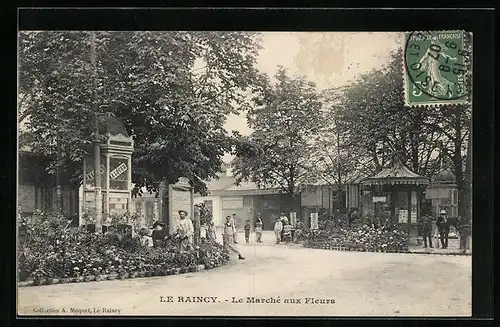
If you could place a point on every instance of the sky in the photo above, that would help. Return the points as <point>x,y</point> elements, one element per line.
<point>329,59</point>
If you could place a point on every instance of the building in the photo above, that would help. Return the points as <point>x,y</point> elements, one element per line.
<point>39,190</point>
<point>443,194</point>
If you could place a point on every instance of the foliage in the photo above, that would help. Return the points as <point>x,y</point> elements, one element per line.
<point>172,90</point>
<point>278,152</point>
<point>360,238</point>
<point>50,249</point>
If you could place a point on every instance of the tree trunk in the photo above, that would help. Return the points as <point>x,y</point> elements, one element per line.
<point>197,226</point>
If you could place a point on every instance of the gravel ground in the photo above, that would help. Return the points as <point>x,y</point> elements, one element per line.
<point>359,284</point>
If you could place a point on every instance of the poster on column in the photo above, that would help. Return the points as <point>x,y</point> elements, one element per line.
<point>403,216</point>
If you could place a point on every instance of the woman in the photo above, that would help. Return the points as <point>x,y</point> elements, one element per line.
<point>211,235</point>
<point>144,238</point>
<point>158,234</point>
<point>228,239</point>
<point>258,228</point>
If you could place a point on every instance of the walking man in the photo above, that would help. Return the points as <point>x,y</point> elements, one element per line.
<point>258,228</point>
<point>227,238</point>
<point>444,228</point>
<point>235,234</point>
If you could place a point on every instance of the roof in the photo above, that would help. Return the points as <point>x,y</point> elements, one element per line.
<point>226,185</point>
<point>445,176</point>
<point>397,174</point>
<point>112,125</point>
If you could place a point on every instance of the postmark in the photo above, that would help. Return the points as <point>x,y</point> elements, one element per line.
<point>437,68</point>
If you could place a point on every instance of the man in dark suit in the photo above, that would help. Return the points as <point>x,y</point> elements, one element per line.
<point>443,226</point>
<point>427,230</point>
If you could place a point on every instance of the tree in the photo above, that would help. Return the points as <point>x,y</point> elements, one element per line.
<point>172,90</point>
<point>377,124</point>
<point>278,152</point>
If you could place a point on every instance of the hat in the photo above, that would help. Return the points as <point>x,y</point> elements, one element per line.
<point>442,211</point>
<point>158,223</point>
<point>234,213</point>
<point>179,212</point>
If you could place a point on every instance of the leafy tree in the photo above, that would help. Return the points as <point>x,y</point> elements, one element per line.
<point>376,124</point>
<point>279,150</point>
<point>172,90</point>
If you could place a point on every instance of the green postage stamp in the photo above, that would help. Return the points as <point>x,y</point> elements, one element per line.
<point>437,67</point>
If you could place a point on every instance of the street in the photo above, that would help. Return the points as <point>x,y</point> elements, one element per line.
<point>319,282</point>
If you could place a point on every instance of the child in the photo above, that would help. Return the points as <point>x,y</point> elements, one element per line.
<point>247,230</point>
<point>278,228</point>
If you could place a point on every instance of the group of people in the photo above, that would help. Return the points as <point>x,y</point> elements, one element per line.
<point>285,231</point>
<point>184,233</point>
<point>439,229</point>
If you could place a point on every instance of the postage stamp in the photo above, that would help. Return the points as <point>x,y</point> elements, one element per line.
<point>437,67</point>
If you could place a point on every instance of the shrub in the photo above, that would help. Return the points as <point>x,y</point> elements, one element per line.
<point>49,248</point>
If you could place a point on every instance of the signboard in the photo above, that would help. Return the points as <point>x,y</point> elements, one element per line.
<point>314,220</point>
<point>379,199</point>
<point>413,218</point>
<point>403,216</point>
<point>118,171</point>
<point>232,202</point>
<point>180,200</point>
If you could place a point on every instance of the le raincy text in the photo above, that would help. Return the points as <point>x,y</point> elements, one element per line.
<point>248,300</point>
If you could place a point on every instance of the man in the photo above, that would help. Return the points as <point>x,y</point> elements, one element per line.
<point>444,228</point>
<point>284,222</point>
<point>427,230</point>
<point>235,233</point>
<point>186,228</point>
<point>299,230</point>
<point>278,230</point>
<point>258,228</point>
<point>465,230</point>
<point>227,238</point>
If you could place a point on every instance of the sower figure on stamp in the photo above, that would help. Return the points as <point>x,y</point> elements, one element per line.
<point>228,238</point>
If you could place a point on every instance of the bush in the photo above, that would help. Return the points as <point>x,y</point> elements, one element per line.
<point>360,238</point>
<point>49,248</point>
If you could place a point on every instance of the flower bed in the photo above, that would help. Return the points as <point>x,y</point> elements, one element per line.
<point>363,238</point>
<point>51,252</point>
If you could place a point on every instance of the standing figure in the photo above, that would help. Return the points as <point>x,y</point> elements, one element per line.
<point>258,228</point>
<point>444,228</point>
<point>211,235</point>
<point>144,239</point>
<point>284,222</point>
<point>427,230</point>
<point>247,230</point>
<point>299,231</point>
<point>227,238</point>
<point>158,234</point>
<point>235,233</point>
<point>465,230</point>
<point>278,229</point>
<point>186,229</point>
